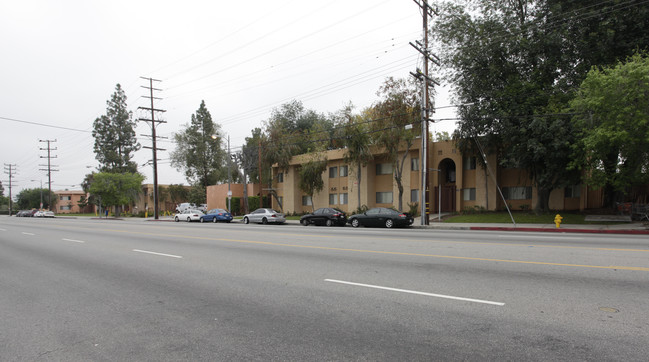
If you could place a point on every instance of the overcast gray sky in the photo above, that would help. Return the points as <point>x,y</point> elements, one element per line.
<point>62,59</point>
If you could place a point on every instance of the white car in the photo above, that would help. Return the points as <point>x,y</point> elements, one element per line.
<point>264,216</point>
<point>189,215</point>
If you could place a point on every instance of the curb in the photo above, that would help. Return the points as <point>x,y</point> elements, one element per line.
<point>586,231</point>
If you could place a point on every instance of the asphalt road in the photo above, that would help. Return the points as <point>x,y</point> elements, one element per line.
<point>97,290</point>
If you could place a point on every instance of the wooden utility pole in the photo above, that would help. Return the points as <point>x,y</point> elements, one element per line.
<point>153,147</point>
<point>427,81</point>
<point>49,170</point>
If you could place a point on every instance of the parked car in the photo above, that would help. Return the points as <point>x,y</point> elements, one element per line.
<point>216,215</point>
<point>24,213</point>
<point>185,206</point>
<point>203,208</point>
<point>325,216</point>
<point>189,215</point>
<point>264,216</point>
<point>381,216</point>
<point>44,213</point>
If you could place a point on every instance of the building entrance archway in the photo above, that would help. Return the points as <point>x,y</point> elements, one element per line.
<point>446,180</point>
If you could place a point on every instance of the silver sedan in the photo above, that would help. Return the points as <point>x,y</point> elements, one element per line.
<point>264,216</point>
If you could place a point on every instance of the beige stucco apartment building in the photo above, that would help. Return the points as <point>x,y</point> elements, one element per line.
<point>464,184</point>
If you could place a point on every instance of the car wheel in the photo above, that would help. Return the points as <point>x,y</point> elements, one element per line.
<point>389,223</point>
<point>355,223</point>
<point>214,220</point>
<point>246,220</point>
<point>330,222</point>
<point>264,221</point>
<point>304,222</point>
<point>202,220</point>
<point>176,219</point>
<point>189,219</point>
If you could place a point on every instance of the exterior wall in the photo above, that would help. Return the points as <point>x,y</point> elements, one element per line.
<point>217,195</point>
<point>443,159</point>
<point>71,206</point>
<point>145,200</point>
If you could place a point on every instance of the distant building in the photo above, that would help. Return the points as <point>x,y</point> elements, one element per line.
<point>68,202</point>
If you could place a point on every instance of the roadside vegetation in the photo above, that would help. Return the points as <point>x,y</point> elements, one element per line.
<point>522,217</point>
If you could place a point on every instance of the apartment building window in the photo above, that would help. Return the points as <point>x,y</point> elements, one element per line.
<point>65,198</point>
<point>384,197</point>
<point>333,199</point>
<point>344,198</point>
<point>333,172</point>
<point>572,191</point>
<point>414,164</point>
<point>280,177</point>
<point>306,201</point>
<point>414,195</point>
<point>517,193</point>
<point>66,207</point>
<point>469,163</point>
<point>468,194</point>
<point>383,168</point>
<point>343,171</point>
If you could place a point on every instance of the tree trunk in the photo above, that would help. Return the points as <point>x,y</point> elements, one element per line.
<point>543,203</point>
<point>358,187</point>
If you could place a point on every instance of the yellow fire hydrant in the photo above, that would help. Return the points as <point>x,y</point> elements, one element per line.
<point>557,220</point>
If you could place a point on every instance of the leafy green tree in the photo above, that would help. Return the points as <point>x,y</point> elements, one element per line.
<point>116,189</point>
<point>115,139</point>
<point>353,130</point>
<point>178,193</point>
<point>508,62</point>
<point>311,181</point>
<point>199,152</point>
<point>197,194</point>
<point>397,109</point>
<point>3,199</point>
<point>31,199</point>
<point>612,119</point>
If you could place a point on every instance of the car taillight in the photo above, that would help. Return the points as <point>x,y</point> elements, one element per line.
<point>221,214</point>
<point>337,215</point>
<point>403,215</point>
<point>273,215</point>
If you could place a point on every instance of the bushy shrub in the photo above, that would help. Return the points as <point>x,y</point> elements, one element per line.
<point>413,209</point>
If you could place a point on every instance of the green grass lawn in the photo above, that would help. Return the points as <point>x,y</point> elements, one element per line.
<point>520,218</point>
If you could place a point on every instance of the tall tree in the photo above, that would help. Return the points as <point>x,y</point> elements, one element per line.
<point>397,109</point>
<point>356,140</point>
<point>311,181</point>
<point>114,133</point>
<point>178,193</point>
<point>199,150</point>
<point>31,199</point>
<point>116,189</point>
<point>511,61</point>
<point>612,108</point>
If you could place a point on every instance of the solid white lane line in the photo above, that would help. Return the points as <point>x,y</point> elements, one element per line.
<point>24,233</point>
<point>542,237</point>
<point>416,292</point>
<point>154,253</point>
<point>76,241</point>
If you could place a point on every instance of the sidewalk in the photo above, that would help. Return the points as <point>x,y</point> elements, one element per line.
<point>626,228</point>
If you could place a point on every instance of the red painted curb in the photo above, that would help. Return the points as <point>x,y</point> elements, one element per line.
<point>588,231</point>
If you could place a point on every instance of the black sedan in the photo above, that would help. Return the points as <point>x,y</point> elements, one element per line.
<point>381,216</point>
<point>325,216</point>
